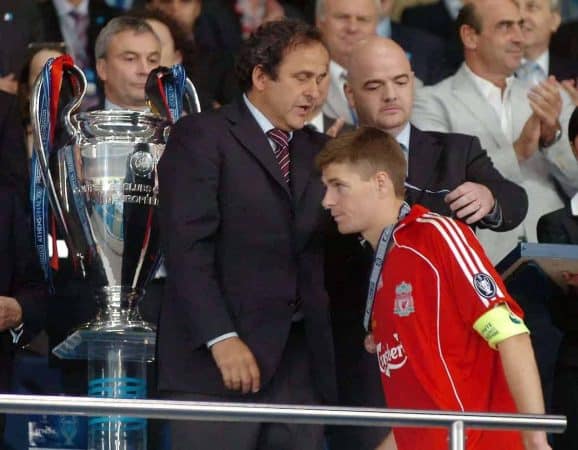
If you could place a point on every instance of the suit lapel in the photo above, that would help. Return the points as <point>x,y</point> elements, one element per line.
<point>466,93</point>
<point>251,137</point>
<point>301,163</point>
<point>424,153</point>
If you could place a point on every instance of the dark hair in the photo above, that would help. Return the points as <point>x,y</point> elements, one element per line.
<point>469,16</point>
<point>573,125</point>
<point>267,46</point>
<point>372,150</point>
<point>182,42</point>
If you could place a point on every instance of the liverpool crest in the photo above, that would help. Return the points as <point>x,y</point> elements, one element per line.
<point>403,305</point>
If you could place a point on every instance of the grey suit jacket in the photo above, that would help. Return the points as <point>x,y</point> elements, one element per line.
<point>456,105</point>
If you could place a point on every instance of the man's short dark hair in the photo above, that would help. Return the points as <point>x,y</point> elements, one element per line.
<point>370,149</point>
<point>469,16</point>
<point>267,46</point>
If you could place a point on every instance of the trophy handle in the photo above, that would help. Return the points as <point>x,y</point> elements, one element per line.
<point>79,84</point>
<point>39,150</point>
<point>191,97</point>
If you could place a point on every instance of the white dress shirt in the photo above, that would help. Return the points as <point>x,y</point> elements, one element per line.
<point>500,102</point>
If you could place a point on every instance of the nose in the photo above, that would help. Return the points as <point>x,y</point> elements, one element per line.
<point>389,92</point>
<point>352,25</point>
<point>313,90</point>
<point>327,201</point>
<point>517,34</point>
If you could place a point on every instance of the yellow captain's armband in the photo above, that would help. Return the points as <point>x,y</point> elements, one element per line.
<point>498,324</point>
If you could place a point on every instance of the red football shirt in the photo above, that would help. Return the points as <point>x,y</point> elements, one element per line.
<point>436,282</point>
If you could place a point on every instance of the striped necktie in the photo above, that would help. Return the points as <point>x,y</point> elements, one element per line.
<point>281,151</point>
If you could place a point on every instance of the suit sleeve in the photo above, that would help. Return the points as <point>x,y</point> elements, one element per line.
<point>13,158</point>
<point>190,219</point>
<point>28,286</point>
<point>511,197</point>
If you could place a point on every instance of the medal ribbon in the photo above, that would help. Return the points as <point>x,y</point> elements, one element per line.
<point>378,260</point>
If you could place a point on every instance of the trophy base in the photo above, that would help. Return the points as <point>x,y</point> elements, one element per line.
<point>138,343</point>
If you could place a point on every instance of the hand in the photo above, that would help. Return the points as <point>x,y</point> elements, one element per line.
<point>334,129</point>
<point>571,279</point>
<point>529,140</point>
<point>472,201</point>
<point>570,88</point>
<point>237,365</point>
<point>369,344</point>
<point>535,440</point>
<point>10,313</point>
<point>9,83</point>
<point>546,103</point>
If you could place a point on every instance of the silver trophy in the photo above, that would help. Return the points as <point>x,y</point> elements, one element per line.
<point>103,190</point>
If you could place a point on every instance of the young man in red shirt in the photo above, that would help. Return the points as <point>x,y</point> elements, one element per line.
<point>446,332</point>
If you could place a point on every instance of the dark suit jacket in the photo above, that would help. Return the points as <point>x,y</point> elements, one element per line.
<point>99,12</point>
<point>435,19</point>
<point>561,227</point>
<point>24,27</point>
<point>563,68</point>
<point>13,157</point>
<point>20,275</point>
<point>437,162</point>
<point>240,249</point>
<point>564,42</point>
<point>426,52</point>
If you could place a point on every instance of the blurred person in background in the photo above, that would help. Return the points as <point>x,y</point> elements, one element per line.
<point>39,55</point>
<point>343,24</point>
<point>126,50</point>
<point>179,48</point>
<point>20,24</point>
<point>77,23</point>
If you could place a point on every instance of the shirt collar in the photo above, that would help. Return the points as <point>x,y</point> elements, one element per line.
<point>574,205</point>
<point>336,71</point>
<point>63,7</point>
<point>486,87</point>
<point>110,106</point>
<point>384,27</point>
<point>264,123</point>
<point>403,136</point>
<point>453,7</point>
<point>317,122</point>
<point>543,61</point>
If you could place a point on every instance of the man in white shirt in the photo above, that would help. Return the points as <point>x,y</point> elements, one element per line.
<point>343,23</point>
<point>520,129</point>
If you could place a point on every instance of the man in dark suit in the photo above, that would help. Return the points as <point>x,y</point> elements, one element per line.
<point>245,316</point>
<point>20,25</point>
<point>448,173</point>
<point>13,158</point>
<point>561,227</point>
<point>22,289</point>
<point>426,51</point>
<point>77,24</point>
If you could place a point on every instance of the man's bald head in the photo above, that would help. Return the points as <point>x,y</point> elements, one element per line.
<point>380,84</point>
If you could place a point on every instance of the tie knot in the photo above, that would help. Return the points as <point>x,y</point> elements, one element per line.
<point>76,15</point>
<point>280,137</point>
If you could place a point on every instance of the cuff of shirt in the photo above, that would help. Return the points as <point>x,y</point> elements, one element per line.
<point>221,338</point>
<point>16,333</point>
<point>494,218</point>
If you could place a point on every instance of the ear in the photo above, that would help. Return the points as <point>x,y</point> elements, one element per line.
<point>556,20</point>
<point>259,78</point>
<point>383,183</point>
<point>469,37</point>
<point>178,57</point>
<point>101,68</point>
<point>349,94</point>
